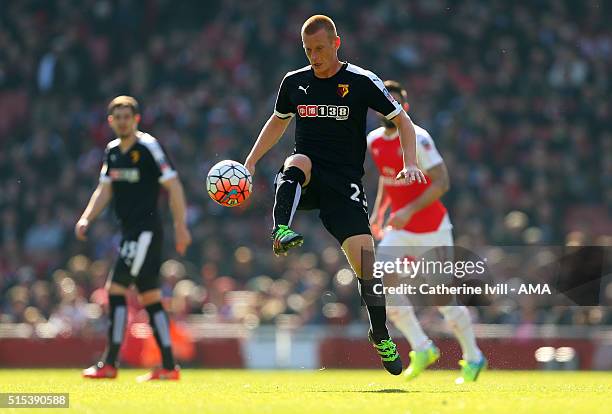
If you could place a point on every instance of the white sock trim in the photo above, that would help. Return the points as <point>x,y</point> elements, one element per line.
<point>296,201</point>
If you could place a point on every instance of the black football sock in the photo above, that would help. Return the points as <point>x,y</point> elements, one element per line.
<point>158,319</point>
<point>288,192</point>
<point>116,330</point>
<point>375,304</point>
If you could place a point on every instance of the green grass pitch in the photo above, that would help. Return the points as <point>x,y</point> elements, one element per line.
<point>325,391</point>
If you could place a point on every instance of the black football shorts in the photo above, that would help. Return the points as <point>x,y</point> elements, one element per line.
<point>139,260</point>
<point>341,202</point>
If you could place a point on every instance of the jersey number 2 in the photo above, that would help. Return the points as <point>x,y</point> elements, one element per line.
<point>355,196</point>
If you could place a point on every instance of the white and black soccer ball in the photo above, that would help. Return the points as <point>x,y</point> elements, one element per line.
<point>229,183</point>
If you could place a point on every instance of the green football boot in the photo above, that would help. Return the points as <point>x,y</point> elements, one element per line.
<point>387,351</point>
<point>420,360</point>
<point>283,239</point>
<point>471,370</point>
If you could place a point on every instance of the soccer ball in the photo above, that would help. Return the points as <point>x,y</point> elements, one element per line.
<point>229,183</point>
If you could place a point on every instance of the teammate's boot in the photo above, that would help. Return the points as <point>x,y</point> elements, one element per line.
<point>160,373</point>
<point>387,351</point>
<point>283,239</point>
<point>100,370</point>
<point>471,370</point>
<point>420,360</point>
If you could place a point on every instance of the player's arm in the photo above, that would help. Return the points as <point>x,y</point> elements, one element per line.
<point>274,128</point>
<point>381,204</point>
<point>407,135</point>
<point>270,134</point>
<point>178,207</point>
<point>100,198</point>
<point>168,177</point>
<point>379,99</point>
<point>440,184</point>
<point>97,203</point>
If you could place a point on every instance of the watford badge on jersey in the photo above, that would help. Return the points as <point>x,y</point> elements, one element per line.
<point>135,155</point>
<point>343,89</point>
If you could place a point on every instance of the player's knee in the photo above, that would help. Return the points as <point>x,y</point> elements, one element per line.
<point>299,160</point>
<point>393,313</point>
<point>149,297</point>
<point>398,313</point>
<point>359,251</point>
<point>302,162</point>
<point>115,289</point>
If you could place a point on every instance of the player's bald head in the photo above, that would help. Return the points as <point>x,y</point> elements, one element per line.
<point>319,22</point>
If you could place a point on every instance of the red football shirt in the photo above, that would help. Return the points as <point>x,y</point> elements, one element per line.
<point>387,154</point>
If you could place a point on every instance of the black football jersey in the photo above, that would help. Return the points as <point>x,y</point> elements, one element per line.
<point>331,115</point>
<point>135,176</point>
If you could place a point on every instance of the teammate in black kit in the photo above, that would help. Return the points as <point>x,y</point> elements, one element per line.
<point>330,100</point>
<point>135,166</point>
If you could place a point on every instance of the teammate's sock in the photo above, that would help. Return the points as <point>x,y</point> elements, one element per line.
<point>458,318</point>
<point>288,192</point>
<point>375,304</point>
<point>406,322</point>
<point>161,329</point>
<point>116,330</point>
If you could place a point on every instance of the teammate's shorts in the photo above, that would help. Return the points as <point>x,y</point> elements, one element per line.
<point>342,204</point>
<point>139,260</point>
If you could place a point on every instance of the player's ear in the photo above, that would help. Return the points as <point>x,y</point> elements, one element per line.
<point>109,119</point>
<point>137,117</point>
<point>337,42</point>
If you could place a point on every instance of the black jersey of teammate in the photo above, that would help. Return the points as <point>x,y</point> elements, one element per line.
<point>135,176</point>
<point>331,114</point>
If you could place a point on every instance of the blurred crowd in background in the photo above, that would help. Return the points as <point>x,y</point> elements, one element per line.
<point>515,94</point>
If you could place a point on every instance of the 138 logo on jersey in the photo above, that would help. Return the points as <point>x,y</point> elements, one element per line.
<point>340,113</point>
<point>131,175</point>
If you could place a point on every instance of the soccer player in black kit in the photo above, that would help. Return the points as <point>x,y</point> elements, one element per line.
<point>135,166</point>
<point>330,100</point>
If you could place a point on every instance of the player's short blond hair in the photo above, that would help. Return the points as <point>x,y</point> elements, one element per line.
<point>317,22</point>
<point>123,101</point>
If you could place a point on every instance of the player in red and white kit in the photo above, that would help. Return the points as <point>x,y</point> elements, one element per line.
<point>418,222</point>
